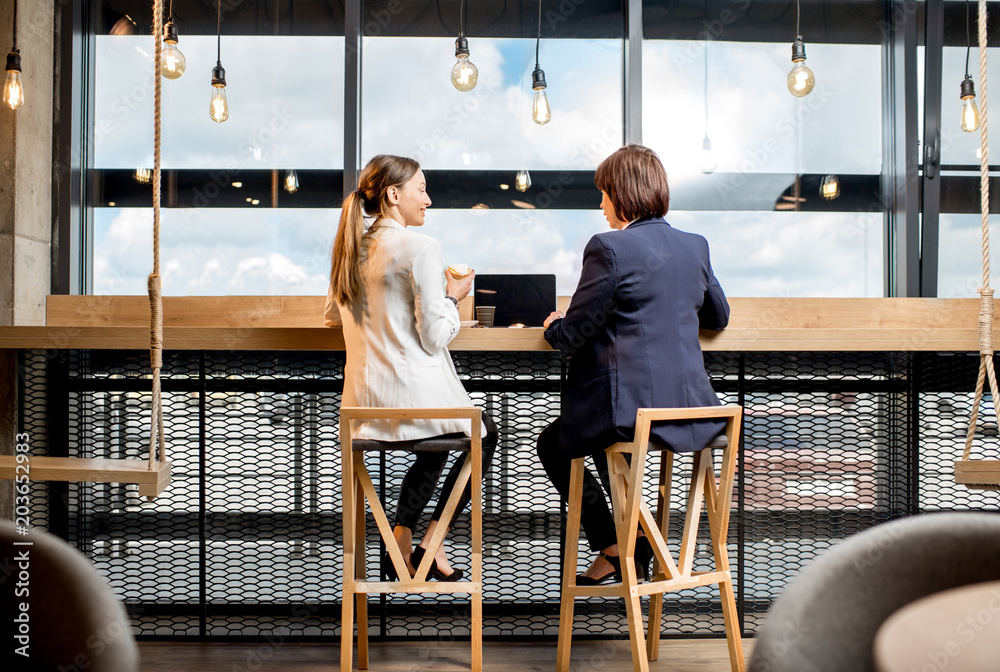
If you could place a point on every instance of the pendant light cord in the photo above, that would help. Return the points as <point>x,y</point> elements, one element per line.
<point>461,18</point>
<point>14,30</point>
<point>706,88</point>
<point>538,38</point>
<point>968,39</point>
<point>798,16</point>
<point>219,34</point>
<point>170,13</point>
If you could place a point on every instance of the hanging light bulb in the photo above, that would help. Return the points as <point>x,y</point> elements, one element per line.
<point>970,111</point>
<point>143,175</point>
<point>522,181</point>
<point>800,79</point>
<point>464,74</point>
<point>13,92</point>
<point>218,107</point>
<point>172,61</point>
<point>829,188</point>
<point>708,164</point>
<point>291,182</point>
<point>541,113</point>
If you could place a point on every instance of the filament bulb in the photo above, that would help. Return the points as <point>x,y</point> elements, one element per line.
<point>218,107</point>
<point>970,111</point>
<point>464,74</point>
<point>291,182</point>
<point>830,187</point>
<point>172,61</point>
<point>800,79</point>
<point>13,92</point>
<point>522,181</point>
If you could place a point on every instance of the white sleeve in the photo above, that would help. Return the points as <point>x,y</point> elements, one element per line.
<point>331,313</point>
<point>437,317</point>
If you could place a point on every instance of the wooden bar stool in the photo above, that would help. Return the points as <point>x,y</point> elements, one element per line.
<point>630,511</point>
<point>358,488</point>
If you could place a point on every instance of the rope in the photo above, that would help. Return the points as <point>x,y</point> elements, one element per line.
<point>155,297</point>
<point>986,306</point>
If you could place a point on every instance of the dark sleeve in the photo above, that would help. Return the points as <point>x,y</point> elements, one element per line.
<point>592,302</point>
<point>714,313</point>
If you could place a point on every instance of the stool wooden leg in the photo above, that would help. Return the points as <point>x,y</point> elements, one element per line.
<point>663,522</point>
<point>732,621</point>
<point>572,545</point>
<point>476,506</point>
<point>361,575</point>
<point>348,522</point>
<point>626,494</point>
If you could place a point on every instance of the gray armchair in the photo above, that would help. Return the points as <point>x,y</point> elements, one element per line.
<point>75,622</point>
<point>827,617</point>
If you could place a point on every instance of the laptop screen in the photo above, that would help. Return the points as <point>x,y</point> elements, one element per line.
<point>524,299</point>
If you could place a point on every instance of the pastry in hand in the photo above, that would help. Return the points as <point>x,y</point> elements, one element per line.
<point>459,271</point>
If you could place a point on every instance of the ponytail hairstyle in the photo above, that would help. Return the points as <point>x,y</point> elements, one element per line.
<point>370,198</point>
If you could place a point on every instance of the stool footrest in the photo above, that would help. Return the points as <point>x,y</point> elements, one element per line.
<point>378,587</point>
<point>696,580</point>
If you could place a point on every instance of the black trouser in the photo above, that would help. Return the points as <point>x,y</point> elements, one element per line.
<point>595,514</point>
<point>419,481</point>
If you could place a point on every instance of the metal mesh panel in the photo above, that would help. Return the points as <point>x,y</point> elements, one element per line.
<point>948,384</point>
<point>246,541</point>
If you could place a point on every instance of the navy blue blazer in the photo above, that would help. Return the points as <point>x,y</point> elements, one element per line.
<point>631,334</point>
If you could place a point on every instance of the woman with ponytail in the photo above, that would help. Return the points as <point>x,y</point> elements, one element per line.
<point>386,291</point>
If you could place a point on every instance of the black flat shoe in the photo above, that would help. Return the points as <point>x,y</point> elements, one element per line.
<point>434,572</point>
<point>613,576</point>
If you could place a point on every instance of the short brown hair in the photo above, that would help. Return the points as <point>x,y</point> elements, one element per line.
<point>635,181</point>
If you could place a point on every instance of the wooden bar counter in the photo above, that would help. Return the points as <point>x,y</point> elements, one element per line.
<point>295,323</point>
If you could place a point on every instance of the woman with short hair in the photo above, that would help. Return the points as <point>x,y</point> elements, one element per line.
<point>631,335</point>
<point>386,289</point>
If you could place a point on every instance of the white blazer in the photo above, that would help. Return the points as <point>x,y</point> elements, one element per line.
<point>397,331</point>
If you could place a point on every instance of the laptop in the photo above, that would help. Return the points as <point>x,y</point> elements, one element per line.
<point>519,299</point>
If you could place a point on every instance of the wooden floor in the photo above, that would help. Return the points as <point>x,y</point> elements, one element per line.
<point>676,655</point>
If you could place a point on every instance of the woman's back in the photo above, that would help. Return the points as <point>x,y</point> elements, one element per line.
<point>396,333</point>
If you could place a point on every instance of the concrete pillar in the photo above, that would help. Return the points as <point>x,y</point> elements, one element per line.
<point>25,194</point>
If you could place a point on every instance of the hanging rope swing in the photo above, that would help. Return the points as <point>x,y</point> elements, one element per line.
<point>156,435</point>
<point>982,474</point>
<point>153,476</point>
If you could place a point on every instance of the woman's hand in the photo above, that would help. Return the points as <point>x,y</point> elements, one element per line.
<point>459,287</point>
<point>553,316</point>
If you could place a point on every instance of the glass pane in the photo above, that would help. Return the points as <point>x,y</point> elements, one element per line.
<point>760,189</point>
<point>754,123</point>
<point>410,107</point>
<point>957,146</point>
<point>281,116</point>
<point>517,241</point>
<point>791,254</point>
<point>960,265</point>
<point>215,251</point>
